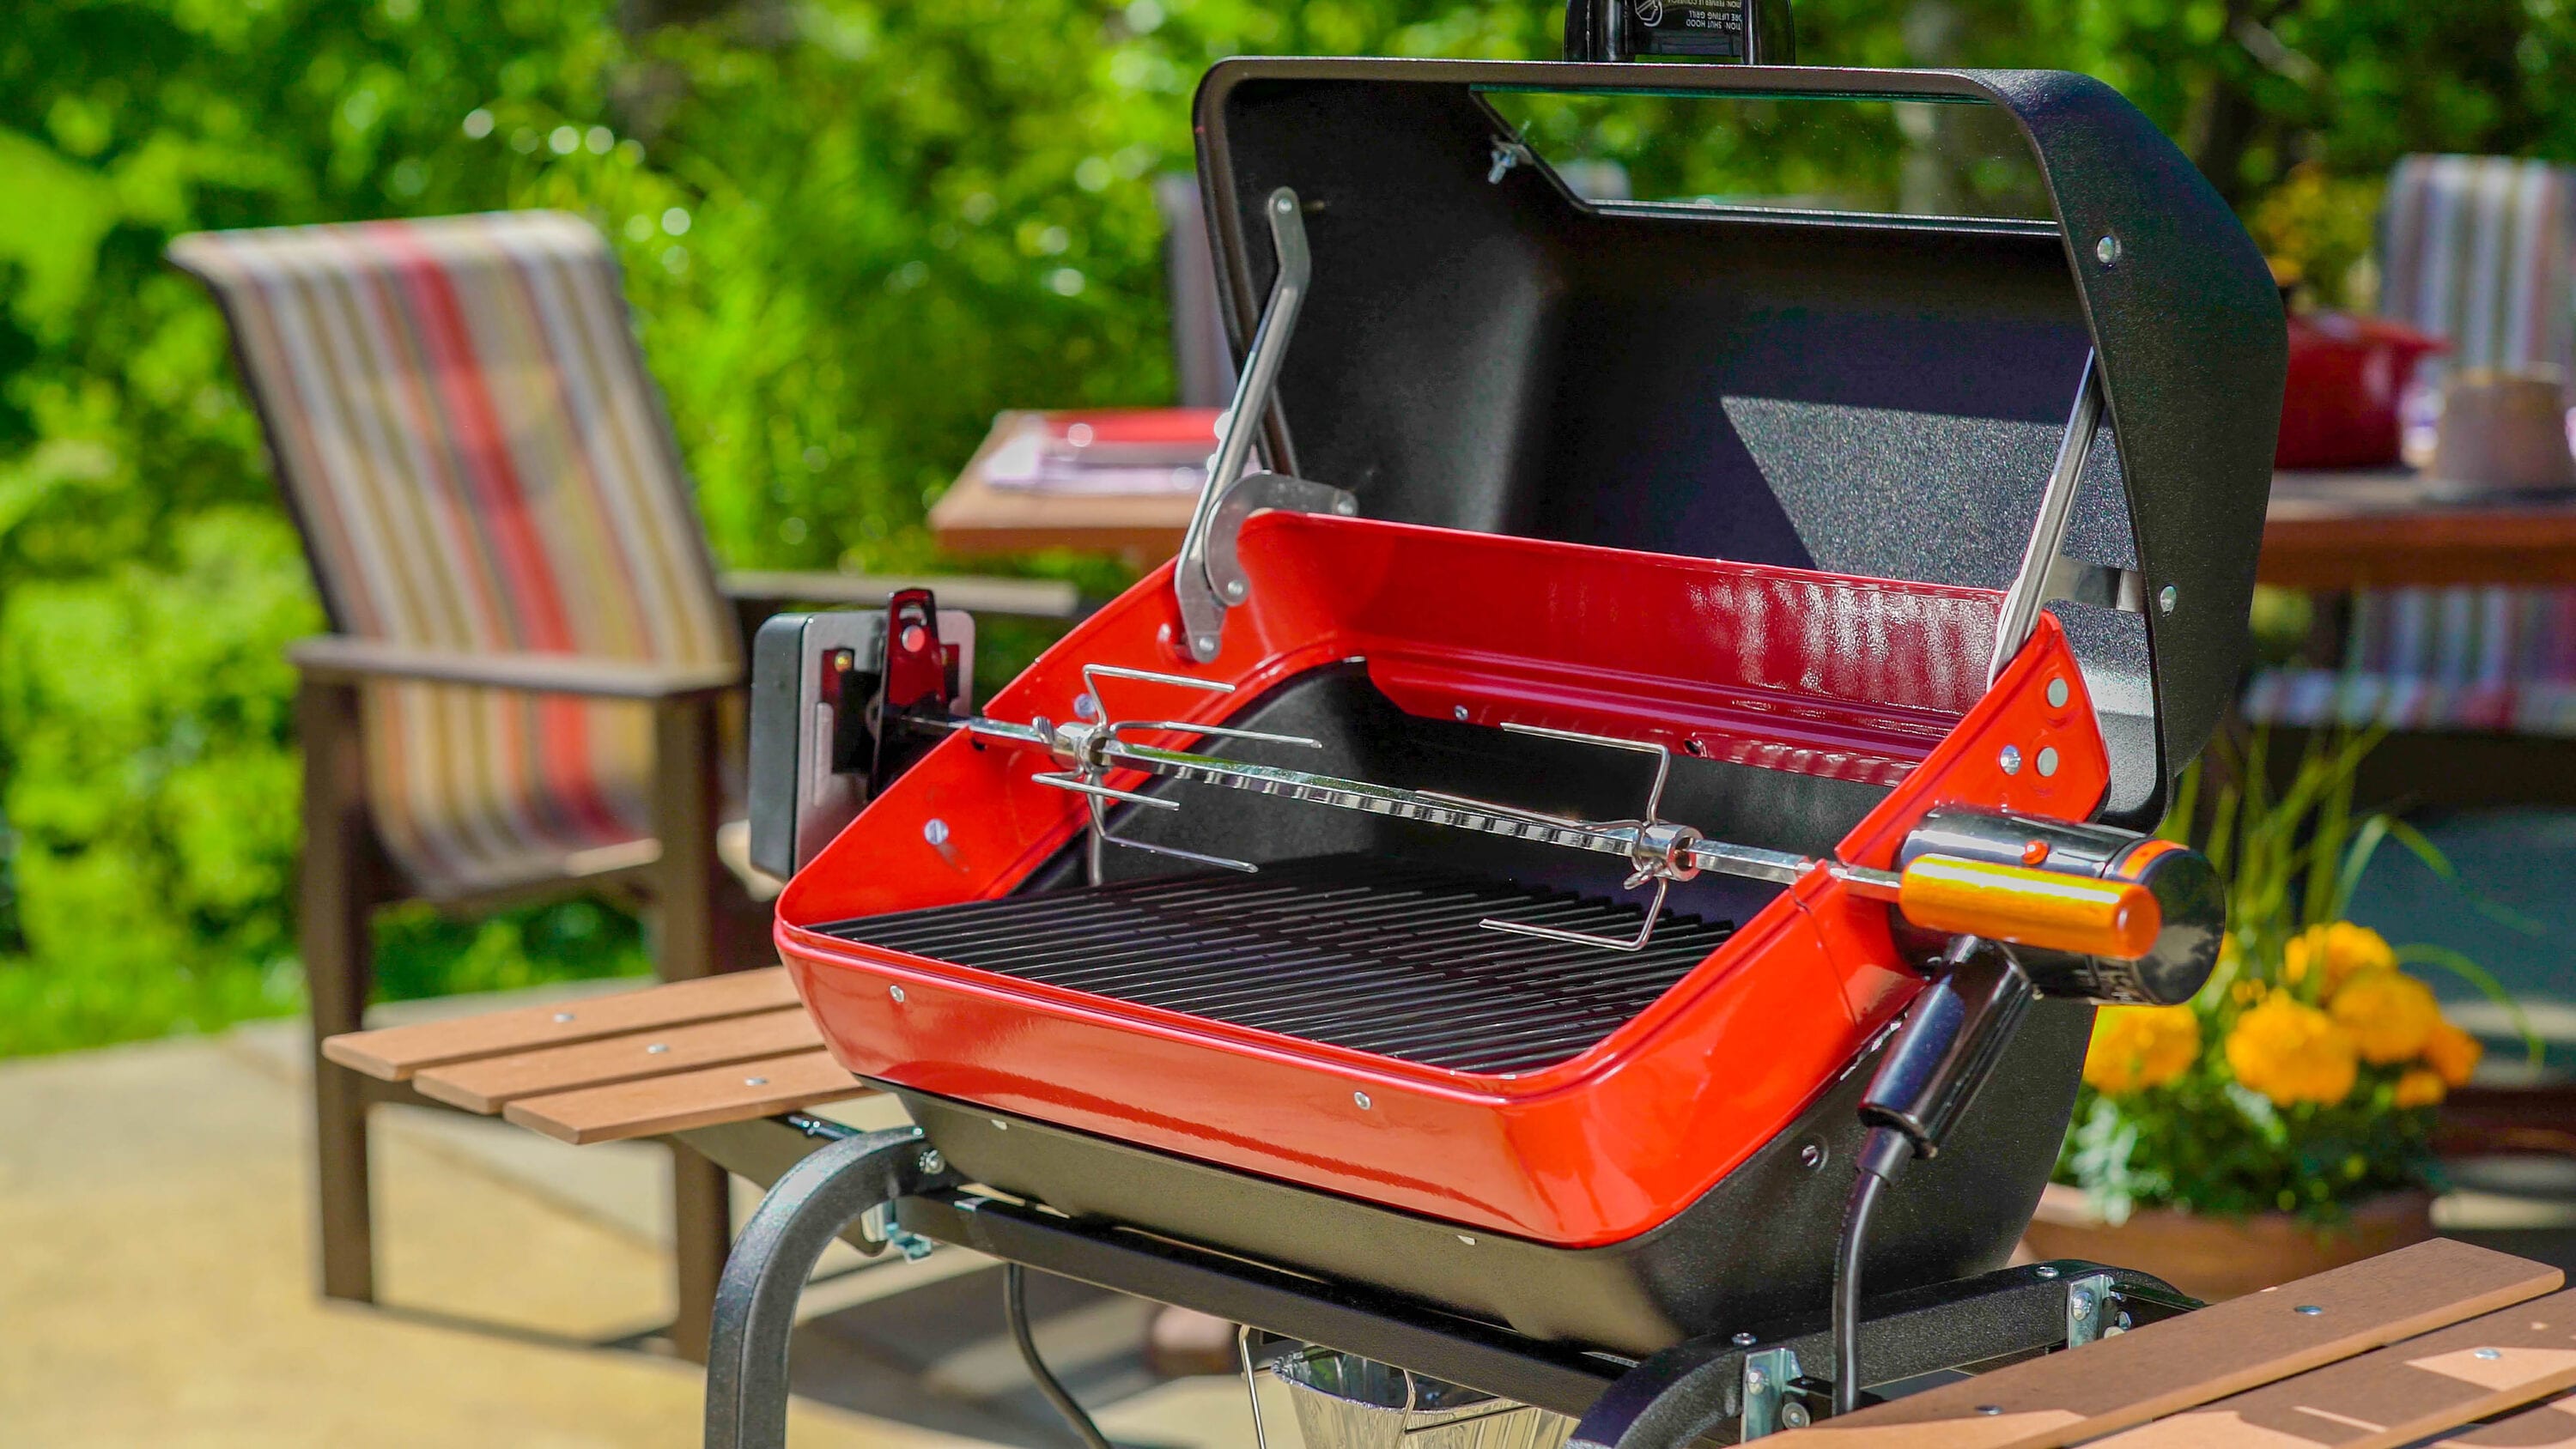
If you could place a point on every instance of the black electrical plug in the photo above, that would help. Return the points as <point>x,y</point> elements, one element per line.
<point>1944,1052</point>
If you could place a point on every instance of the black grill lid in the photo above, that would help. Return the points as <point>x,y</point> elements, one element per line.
<point>1865,395</point>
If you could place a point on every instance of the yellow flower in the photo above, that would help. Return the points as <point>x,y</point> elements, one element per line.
<point>2389,1013</point>
<point>2291,1052</point>
<point>2342,951</point>
<point>2137,1047</point>
<point>2452,1054</point>
<point>2420,1087</point>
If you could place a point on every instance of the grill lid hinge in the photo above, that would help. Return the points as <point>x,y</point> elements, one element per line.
<point>1207,579</point>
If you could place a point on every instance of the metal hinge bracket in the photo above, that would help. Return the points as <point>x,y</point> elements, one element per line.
<point>1771,1400</point>
<point>2090,1308</point>
<point>1207,580</point>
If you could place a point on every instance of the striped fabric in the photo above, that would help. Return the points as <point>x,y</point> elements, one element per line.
<point>2479,250</point>
<point>479,462</point>
<point>2493,659</point>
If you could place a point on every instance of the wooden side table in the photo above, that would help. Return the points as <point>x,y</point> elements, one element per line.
<point>2330,532</point>
<point>974,517</point>
<point>2334,532</point>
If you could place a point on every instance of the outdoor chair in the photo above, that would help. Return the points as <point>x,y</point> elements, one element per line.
<point>533,660</point>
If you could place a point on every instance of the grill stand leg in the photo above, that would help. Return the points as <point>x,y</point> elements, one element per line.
<point>755,1310</point>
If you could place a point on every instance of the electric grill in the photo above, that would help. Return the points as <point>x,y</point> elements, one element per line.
<point>1608,794</point>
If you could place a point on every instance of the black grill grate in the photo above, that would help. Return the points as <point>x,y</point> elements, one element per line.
<point>1355,951</point>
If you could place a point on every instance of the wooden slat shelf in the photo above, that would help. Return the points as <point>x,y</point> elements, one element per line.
<point>487,1084</point>
<point>637,1064</point>
<point>2397,1394</point>
<point>2224,1349</point>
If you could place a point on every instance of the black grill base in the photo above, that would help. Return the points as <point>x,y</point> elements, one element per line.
<point>1363,952</point>
<point>1757,1246</point>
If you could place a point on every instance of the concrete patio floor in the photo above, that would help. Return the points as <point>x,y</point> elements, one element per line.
<point>155,1288</point>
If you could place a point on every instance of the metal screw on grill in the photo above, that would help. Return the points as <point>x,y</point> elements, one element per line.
<point>897,993</point>
<point>2308,1310</point>
<point>935,831</point>
<point>1990,1410</point>
<point>2010,759</point>
<point>1753,1379</point>
<point>657,1048</point>
<point>1794,1415</point>
<point>755,1081</point>
<point>1459,713</point>
<point>931,1163</point>
<point>2108,249</point>
<point>1234,589</point>
<point>563,1016</point>
<point>1743,1340</point>
<point>2045,1271</point>
<point>2489,1354</point>
<point>1362,1098</point>
<point>1469,1241</point>
<point>2166,598</point>
<point>1812,1156</point>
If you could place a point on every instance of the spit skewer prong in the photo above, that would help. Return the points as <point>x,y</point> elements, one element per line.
<point>1658,851</point>
<point>1088,748</point>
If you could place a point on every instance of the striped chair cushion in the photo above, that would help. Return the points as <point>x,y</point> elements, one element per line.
<point>479,462</point>
<point>2480,250</point>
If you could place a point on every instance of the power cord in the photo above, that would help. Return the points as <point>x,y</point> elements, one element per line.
<point>1015,1307</point>
<point>1883,1154</point>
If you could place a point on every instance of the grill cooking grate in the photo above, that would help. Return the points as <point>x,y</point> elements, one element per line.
<point>1360,952</point>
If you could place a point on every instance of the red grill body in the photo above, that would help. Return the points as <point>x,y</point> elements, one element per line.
<point>1808,673</point>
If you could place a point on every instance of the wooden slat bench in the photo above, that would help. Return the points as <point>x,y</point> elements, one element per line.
<point>2442,1337</point>
<point>638,1064</point>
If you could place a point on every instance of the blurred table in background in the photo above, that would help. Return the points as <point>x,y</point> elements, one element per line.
<point>2339,531</point>
<point>976,516</point>
<point>2329,532</point>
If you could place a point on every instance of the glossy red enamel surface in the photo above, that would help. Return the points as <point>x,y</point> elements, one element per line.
<point>1850,678</point>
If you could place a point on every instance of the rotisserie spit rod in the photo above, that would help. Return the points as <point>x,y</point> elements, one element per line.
<point>2095,917</point>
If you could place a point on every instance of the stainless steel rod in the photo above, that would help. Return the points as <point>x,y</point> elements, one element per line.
<point>2048,532</point>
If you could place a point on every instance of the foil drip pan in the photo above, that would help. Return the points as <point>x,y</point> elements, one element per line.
<point>1343,1401</point>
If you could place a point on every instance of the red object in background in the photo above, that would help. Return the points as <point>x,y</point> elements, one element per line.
<point>1104,431</point>
<point>1793,670</point>
<point>2346,376</point>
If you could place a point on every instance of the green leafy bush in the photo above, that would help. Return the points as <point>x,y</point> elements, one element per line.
<point>852,232</point>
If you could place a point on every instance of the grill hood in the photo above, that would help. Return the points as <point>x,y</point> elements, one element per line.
<point>1483,349</point>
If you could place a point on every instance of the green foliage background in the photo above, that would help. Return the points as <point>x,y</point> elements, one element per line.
<point>852,231</point>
